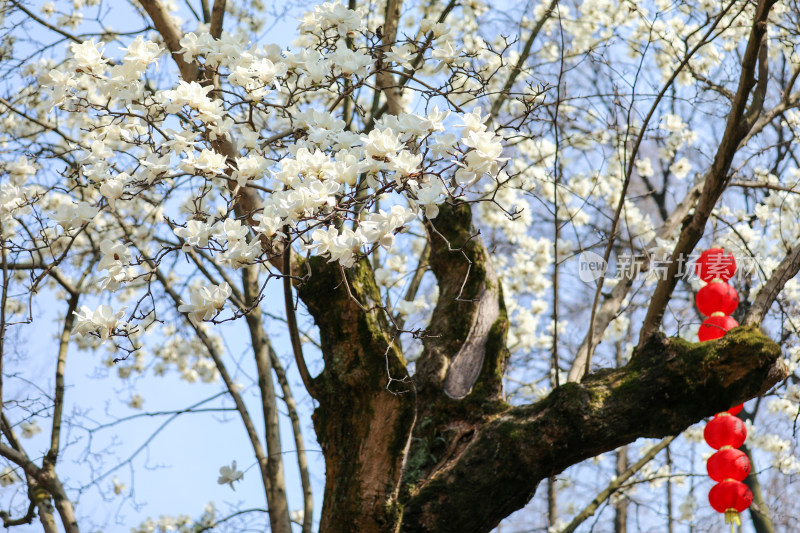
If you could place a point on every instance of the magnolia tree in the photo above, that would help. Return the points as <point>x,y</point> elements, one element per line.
<point>429,206</point>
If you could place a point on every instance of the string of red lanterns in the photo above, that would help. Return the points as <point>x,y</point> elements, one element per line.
<point>725,432</point>
<point>717,300</point>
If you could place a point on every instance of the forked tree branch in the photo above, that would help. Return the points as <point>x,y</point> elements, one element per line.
<point>717,177</point>
<point>668,385</point>
<point>299,443</point>
<point>611,305</point>
<point>291,321</point>
<point>786,270</point>
<point>278,503</point>
<point>230,385</point>
<point>615,485</point>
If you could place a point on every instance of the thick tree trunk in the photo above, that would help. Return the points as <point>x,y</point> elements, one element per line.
<point>421,456</point>
<point>366,402</point>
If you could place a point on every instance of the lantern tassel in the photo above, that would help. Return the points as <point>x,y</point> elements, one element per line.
<point>732,518</point>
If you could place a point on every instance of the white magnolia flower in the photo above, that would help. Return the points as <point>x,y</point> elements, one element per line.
<point>230,230</point>
<point>229,474</point>
<point>644,167</point>
<point>8,477</point>
<point>348,61</point>
<point>48,9</point>
<point>380,227</point>
<point>406,163</point>
<point>119,487</point>
<point>680,168</point>
<point>381,143</point>
<point>247,168</point>
<point>141,53</point>
<point>446,53</point>
<point>195,96</point>
<point>208,161</point>
<point>195,234</point>
<point>473,122</point>
<point>136,402</point>
<point>483,157</point>
<point>29,429</point>
<point>429,195</point>
<point>103,321</point>
<point>19,170</point>
<point>115,256</point>
<point>74,215</point>
<point>341,247</point>
<point>88,56</point>
<point>206,302</point>
<point>112,188</point>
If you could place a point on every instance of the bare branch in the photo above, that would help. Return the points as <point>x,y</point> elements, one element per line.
<point>716,178</point>
<point>786,270</point>
<point>217,16</point>
<point>615,485</point>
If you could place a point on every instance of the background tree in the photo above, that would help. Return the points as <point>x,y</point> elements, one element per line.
<point>403,193</point>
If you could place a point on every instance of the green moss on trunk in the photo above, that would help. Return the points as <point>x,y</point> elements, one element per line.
<point>668,385</point>
<point>362,426</point>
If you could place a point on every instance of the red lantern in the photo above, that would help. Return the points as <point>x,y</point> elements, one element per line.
<point>717,297</point>
<point>731,498</point>
<point>715,263</point>
<point>725,430</point>
<point>736,410</point>
<point>728,464</point>
<point>715,327</point>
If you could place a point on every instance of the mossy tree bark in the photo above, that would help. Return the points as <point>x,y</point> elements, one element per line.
<point>441,450</point>
<point>366,405</point>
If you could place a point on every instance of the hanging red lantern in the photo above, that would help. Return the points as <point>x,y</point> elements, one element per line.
<point>717,297</point>
<point>736,410</point>
<point>728,463</point>
<point>715,327</point>
<point>725,430</point>
<point>731,498</point>
<point>715,263</point>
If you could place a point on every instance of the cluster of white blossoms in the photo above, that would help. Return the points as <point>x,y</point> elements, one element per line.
<point>160,164</point>
<point>781,449</point>
<point>206,301</point>
<point>103,321</point>
<point>187,355</point>
<point>327,173</point>
<point>115,260</point>
<point>180,523</point>
<point>377,228</point>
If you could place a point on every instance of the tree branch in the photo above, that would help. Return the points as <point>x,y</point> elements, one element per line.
<point>469,320</point>
<point>611,305</point>
<point>385,80</point>
<point>291,321</point>
<point>171,33</point>
<point>278,504</point>
<point>217,16</point>
<point>366,398</point>
<point>615,485</point>
<point>759,513</point>
<point>716,179</point>
<point>61,363</point>
<point>299,444</point>
<point>786,270</point>
<point>668,385</point>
